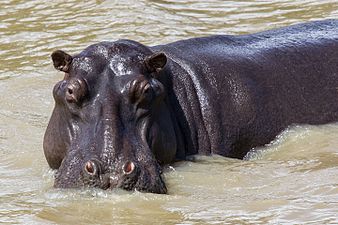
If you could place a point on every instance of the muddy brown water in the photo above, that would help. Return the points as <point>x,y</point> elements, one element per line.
<point>294,180</point>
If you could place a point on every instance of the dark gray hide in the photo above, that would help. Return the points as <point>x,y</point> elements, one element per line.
<point>124,109</point>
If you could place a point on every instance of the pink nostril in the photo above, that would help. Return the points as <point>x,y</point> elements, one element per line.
<point>90,167</point>
<point>128,167</point>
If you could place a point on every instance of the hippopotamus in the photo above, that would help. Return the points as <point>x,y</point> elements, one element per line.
<point>124,109</point>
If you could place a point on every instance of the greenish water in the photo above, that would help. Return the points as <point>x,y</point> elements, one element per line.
<point>292,181</point>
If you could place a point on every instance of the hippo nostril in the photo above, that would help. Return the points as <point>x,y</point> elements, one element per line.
<point>91,168</point>
<point>128,167</point>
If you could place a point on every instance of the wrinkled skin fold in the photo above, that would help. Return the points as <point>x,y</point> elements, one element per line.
<point>124,109</point>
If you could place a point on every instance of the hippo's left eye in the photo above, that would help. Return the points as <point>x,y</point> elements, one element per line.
<point>147,94</point>
<point>75,90</point>
<point>141,93</point>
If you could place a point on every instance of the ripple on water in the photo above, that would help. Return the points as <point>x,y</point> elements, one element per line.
<point>292,180</point>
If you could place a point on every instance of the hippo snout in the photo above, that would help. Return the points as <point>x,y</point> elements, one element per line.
<point>125,176</point>
<point>135,176</point>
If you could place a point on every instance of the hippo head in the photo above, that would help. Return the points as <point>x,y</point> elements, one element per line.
<point>111,126</point>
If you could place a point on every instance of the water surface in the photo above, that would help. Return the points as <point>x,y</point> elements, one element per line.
<point>292,181</point>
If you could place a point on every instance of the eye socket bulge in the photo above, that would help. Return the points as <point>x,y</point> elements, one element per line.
<point>76,90</point>
<point>140,91</point>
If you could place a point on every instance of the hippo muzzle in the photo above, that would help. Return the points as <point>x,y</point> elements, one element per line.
<point>130,176</point>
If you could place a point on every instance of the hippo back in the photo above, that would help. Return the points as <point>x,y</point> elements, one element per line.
<point>233,93</point>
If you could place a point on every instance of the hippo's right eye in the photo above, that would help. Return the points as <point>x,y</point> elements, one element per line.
<point>75,90</point>
<point>70,95</point>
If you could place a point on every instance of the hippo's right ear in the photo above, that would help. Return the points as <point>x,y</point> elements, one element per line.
<point>61,60</point>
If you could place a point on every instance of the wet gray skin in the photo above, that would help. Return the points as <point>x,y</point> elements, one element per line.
<point>124,109</point>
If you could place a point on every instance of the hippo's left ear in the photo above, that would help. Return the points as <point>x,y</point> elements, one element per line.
<point>61,60</point>
<point>156,62</point>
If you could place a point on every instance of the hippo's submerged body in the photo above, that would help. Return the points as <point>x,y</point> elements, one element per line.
<point>123,108</point>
